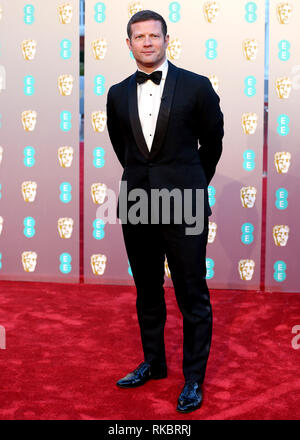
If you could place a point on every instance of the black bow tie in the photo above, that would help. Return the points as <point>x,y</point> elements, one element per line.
<point>155,76</point>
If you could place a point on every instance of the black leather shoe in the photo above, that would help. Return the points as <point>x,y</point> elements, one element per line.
<point>144,372</point>
<point>190,397</point>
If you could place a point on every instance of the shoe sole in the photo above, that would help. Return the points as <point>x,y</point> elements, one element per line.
<point>143,383</point>
<point>189,410</point>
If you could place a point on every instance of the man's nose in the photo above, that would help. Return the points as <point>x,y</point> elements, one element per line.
<point>147,41</point>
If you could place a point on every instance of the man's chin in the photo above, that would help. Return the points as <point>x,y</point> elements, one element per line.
<point>148,62</point>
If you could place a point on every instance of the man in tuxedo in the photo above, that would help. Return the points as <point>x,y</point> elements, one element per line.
<point>156,120</point>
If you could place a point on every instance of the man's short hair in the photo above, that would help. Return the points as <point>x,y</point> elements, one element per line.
<point>146,15</point>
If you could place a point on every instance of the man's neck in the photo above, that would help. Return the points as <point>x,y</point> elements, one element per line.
<point>152,68</point>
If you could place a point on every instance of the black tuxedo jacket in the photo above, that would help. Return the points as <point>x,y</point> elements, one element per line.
<point>189,115</point>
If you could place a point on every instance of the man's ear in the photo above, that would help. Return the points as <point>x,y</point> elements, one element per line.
<point>128,43</point>
<point>167,39</point>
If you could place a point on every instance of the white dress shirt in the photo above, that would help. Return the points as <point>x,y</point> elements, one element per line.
<point>149,97</point>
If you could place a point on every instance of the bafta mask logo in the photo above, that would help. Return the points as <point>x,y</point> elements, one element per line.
<point>98,263</point>
<point>29,118</point>
<point>282,161</point>
<point>1,154</point>
<point>167,270</point>
<point>134,7</point>
<point>99,48</point>
<point>65,13</point>
<point>212,231</point>
<point>174,49</point>
<point>99,119</point>
<point>283,87</point>
<point>65,84</point>
<point>29,49</point>
<point>1,224</point>
<point>65,156</point>
<point>248,196</point>
<point>284,12</point>
<point>249,122</point>
<point>246,269</point>
<point>211,11</point>
<point>29,191</point>
<point>250,48</point>
<point>281,234</point>
<point>214,82</point>
<point>29,260</point>
<point>98,193</point>
<point>65,227</point>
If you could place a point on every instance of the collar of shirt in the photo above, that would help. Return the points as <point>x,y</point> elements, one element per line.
<point>163,67</point>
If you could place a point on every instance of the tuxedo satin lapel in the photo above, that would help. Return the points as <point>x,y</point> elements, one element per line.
<point>135,119</point>
<point>164,111</point>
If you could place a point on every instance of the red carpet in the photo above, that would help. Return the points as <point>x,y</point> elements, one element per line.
<point>66,345</point>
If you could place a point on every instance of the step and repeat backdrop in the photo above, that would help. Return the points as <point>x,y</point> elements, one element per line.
<point>223,40</point>
<point>39,136</point>
<point>283,238</point>
<point>39,140</point>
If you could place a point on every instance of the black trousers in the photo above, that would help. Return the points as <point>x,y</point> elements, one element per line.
<point>147,245</point>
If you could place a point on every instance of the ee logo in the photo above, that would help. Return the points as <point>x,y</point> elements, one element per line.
<point>210,264</point>
<point>29,85</point>
<point>211,49</point>
<point>29,14</point>
<point>99,160</point>
<point>247,233</point>
<point>65,192</point>
<point>284,50</point>
<point>283,125</point>
<point>100,12</point>
<point>65,49</point>
<point>129,269</point>
<point>65,121</point>
<point>249,162</point>
<point>29,224</point>
<point>65,263</point>
<point>29,160</point>
<point>250,15</point>
<point>211,195</point>
<point>174,9</point>
<point>99,88</point>
<point>279,271</point>
<point>98,232</point>
<point>250,89</point>
<point>281,198</point>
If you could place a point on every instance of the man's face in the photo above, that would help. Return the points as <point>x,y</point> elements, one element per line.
<point>148,44</point>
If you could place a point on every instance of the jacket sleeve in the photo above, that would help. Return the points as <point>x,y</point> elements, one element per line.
<point>211,131</point>
<point>114,129</point>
